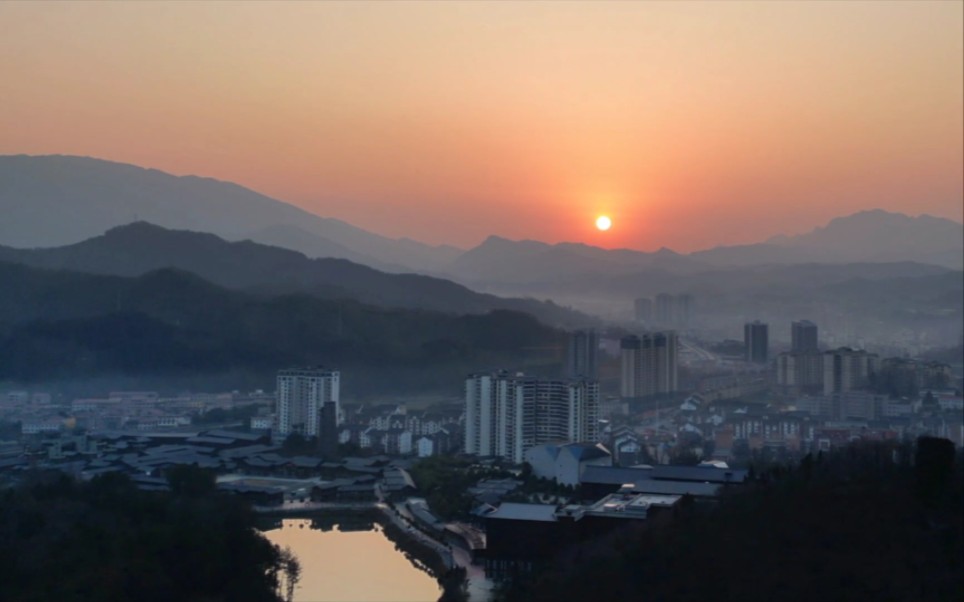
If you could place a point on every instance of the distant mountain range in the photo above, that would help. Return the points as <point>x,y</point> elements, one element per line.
<point>865,237</point>
<point>59,200</point>
<point>868,236</point>
<point>91,216</point>
<point>138,248</point>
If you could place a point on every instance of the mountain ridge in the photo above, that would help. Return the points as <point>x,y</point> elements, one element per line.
<point>91,195</point>
<point>135,249</point>
<point>169,323</point>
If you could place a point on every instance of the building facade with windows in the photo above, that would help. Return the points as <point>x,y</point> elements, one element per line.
<point>756,341</point>
<point>847,369</point>
<point>301,395</point>
<point>803,337</point>
<point>649,364</point>
<point>507,414</point>
<point>581,361</point>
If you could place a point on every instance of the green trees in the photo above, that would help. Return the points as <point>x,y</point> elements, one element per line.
<point>860,523</point>
<point>106,540</point>
<point>443,481</point>
<point>191,481</point>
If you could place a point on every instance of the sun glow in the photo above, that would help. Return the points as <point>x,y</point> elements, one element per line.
<point>604,223</point>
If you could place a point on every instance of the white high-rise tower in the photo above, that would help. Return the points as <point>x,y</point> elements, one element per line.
<point>302,393</point>
<point>507,414</point>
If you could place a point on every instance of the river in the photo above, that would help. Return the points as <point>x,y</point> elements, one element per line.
<point>349,559</point>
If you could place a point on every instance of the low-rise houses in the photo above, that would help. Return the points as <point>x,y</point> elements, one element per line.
<point>565,463</point>
<point>392,429</point>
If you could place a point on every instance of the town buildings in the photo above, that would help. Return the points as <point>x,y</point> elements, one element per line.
<point>643,310</point>
<point>565,463</point>
<point>506,414</point>
<point>668,311</point>
<point>302,393</point>
<point>756,341</point>
<point>800,372</point>
<point>803,337</point>
<point>846,369</point>
<point>649,364</point>
<point>665,309</point>
<point>582,355</point>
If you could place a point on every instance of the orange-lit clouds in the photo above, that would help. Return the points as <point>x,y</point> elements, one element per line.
<point>689,124</point>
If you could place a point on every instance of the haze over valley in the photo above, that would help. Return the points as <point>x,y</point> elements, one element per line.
<point>337,301</point>
<point>871,278</point>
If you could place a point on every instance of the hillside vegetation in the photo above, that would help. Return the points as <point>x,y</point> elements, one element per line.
<point>851,525</point>
<point>63,325</point>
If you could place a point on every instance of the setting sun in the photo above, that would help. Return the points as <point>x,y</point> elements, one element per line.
<point>603,222</point>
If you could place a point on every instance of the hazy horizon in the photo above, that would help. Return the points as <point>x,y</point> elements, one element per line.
<point>763,237</point>
<point>692,125</point>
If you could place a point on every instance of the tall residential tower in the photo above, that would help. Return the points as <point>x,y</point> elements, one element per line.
<point>846,369</point>
<point>649,364</point>
<point>583,349</point>
<point>756,341</point>
<point>302,394</point>
<point>507,414</point>
<point>803,337</point>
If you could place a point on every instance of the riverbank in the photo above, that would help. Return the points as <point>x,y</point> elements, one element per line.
<point>346,557</point>
<point>424,552</point>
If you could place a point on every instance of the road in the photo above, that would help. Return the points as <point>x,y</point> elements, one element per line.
<point>480,588</point>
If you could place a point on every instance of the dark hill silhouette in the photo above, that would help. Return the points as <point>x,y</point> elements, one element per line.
<point>311,245</point>
<point>138,248</point>
<point>60,324</point>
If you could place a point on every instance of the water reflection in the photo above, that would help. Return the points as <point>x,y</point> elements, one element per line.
<point>349,559</point>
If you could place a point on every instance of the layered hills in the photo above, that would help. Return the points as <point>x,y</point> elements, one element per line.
<point>168,324</point>
<point>138,248</point>
<point>874,272</point>
<point>59,200</point>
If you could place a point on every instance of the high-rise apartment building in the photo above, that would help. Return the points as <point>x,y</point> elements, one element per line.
<point>684,309</point>
<point>669,311</point>
<point>846,369</point>
<point>800,372</point>
<point>803,337</point>
<point>328,430</point>
<point>665,309</point>
<point>301,395</point>
<point>756,341</point>
<point>649,364</point>
<point>582,355</point>
<point>506,414</point>
<point>643,310</point>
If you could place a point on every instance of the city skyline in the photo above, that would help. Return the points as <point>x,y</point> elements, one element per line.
<point>482,301</point>
<point>448,123</point>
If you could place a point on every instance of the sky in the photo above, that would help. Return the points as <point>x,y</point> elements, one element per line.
<point>690,124</point>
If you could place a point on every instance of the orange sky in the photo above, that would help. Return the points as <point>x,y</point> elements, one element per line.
<point>691,124</point>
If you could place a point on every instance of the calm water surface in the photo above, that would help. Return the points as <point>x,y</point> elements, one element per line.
<point>351,563</point>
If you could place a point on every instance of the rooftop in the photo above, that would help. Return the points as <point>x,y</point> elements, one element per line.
<point>530,512</point>
<point>706,474</point>
<point>614,475</point>
<point>630,505</point>
<point>653,486</point>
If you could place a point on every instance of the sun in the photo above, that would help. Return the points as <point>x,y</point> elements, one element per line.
<point>604,223</point>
